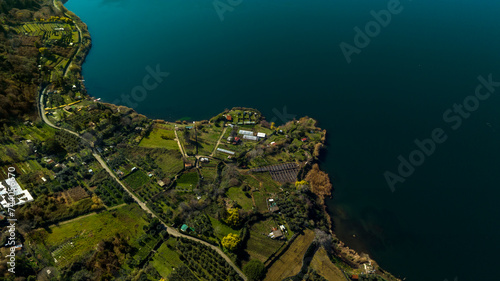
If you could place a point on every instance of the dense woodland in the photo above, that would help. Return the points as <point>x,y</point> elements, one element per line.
<point>19,76</point>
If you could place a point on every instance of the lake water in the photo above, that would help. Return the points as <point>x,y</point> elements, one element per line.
<point>284,58</point>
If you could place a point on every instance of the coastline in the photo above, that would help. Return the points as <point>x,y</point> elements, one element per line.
<point>346,254</point>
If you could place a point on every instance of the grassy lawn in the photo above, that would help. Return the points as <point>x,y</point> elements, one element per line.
<point>187,181</point>
<point>157,139</point>
<point>324,266</point>
<point>259,245</point>
<point>209,173</point>
<point>207,139</point>
<point>236,194</point>
<point>136,179</point>
<point>260,201</point>
<point>251,181</point>
<point>291,261</point>
<point>269,185</point>
<point>221,229</point>
<point>70,241</point>
<point>170,162</point>
<point>166,259</point>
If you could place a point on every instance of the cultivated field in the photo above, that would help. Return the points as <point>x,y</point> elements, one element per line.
<point>259,245</point>
<point>166,259</point>
<point>290,262</point>
<point>160,138</point>
<point>236,194</point>
<point>70,241</point>
<point>324,266</point>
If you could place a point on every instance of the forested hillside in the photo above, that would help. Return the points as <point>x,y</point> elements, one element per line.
<point>19,58</point>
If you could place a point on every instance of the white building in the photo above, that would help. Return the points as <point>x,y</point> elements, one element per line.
<point>261,135</point>
<point>245,133</point>
<point>247,137</point>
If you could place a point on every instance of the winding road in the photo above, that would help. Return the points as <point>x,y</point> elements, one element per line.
<point>172,231</point>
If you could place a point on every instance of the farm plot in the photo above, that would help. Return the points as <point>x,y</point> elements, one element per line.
<point>70,241</point>
<point>290,262</point>
<point>324,266</point>
<point>136,180</point>
<point>260,246</point>
<point>187,182</point>
<point>160,138</point>
<point>236,194</point>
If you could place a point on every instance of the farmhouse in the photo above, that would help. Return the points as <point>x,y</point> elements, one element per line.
<point>276,234</point>
<point>261,135</point>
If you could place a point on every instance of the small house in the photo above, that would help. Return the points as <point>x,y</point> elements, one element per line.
<point>261,135</point>
<point>184,227</point>
<point>276,234</point>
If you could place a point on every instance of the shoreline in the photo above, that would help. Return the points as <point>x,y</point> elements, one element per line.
<point>344,252</point>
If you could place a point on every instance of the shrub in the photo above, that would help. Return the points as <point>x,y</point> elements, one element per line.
<point>254,270</point>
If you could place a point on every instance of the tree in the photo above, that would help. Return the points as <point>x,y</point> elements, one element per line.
<point>254,270</point>
<point>44,51</point>
<point>233,217</point>
<point>320,182</point>
<point>231,241</point>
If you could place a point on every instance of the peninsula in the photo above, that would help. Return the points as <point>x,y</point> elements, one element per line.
<point>96,191</point>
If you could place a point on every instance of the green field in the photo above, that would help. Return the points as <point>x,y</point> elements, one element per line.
<point>157,139</point>
<point>70,241</point>
<point>187,181</point>
<point>221,229</point>
<point>170,162</point>
<point>136,179</point>
<point>290,262</point>
<point>236,194</point>
<point>207,139</point>
<point>259,245</point>
<point>260,201</point>
<point>166,259</point>
<point>209,173</point>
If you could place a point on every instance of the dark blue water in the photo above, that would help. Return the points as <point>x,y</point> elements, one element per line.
<point>442,222</point>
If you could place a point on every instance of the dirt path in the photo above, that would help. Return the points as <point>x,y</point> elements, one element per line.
<point>218,142</point>
<point>180,145</point>
<point>68,66</point>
